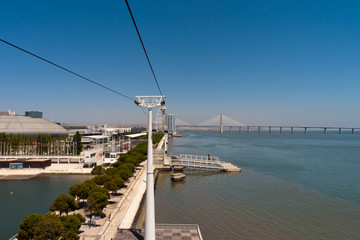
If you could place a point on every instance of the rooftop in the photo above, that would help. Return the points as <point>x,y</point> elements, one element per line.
<point>30,126</point>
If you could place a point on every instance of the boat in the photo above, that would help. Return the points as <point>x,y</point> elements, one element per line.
<point>177,177</point>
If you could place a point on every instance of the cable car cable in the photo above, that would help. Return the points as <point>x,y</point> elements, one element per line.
<point>142,44</point>
<point>67,70</point>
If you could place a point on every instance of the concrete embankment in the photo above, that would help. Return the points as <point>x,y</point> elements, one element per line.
<point>124,213</point>
<point>34,172</point>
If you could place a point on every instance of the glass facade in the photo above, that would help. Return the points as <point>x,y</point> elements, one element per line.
<point>170,121</point>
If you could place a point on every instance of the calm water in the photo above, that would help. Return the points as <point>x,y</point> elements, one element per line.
<point>291,187</point>
<point>30,196</point>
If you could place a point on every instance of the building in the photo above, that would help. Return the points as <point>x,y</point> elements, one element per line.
<point>170,122</point>
<point>29,126</point>
<point>82,129</point>
<point>19,163</point>
<point>34,114</point>
<point>7,113</point>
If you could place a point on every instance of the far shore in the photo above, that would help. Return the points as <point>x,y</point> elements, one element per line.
<point>54,169</point>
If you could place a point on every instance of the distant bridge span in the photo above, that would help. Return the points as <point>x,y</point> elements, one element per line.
<point>269,128</point>
<point>221,121</point>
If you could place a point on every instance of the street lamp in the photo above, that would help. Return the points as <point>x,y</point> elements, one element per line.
<point>150,102</point>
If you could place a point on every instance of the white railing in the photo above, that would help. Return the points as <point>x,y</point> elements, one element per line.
<point>199,162</point>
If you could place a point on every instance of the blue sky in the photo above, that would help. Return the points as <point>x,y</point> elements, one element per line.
<point>259,62</point>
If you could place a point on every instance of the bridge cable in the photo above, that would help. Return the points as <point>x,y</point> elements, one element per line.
<point>67,70</point>
<point>142,44</point>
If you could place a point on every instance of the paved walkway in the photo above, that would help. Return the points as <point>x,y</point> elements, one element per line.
<point>121,211</point>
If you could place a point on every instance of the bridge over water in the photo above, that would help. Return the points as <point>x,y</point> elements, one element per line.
<point>223,123</point>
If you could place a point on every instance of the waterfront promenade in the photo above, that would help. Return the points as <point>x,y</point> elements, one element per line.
<point>120,212</point>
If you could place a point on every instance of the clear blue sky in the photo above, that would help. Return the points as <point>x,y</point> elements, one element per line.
<point>259,62</point>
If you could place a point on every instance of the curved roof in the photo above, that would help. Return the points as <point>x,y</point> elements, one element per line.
<point>30,126</point>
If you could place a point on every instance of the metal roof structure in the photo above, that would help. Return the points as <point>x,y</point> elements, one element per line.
<point>97,137</point>
<point>30,126</point>
<point>135,135</point>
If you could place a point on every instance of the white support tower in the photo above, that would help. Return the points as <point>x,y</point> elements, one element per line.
<point>221,124</point>
<point>150,102</point>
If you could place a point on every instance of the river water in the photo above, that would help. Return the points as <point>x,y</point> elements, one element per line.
<point>292,186</point>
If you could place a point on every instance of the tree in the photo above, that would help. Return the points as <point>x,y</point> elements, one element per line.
<point>64,203</point>
<point>137,155</point>
<point>111,186</point>
<point>100,180</point>
<point>28,226</point>
<point>74,189</point>
<point>96,202</point>
<point>119,182</point>
<point>77,140</point>
<point>83,191</point>
<point>98,189</point>
<point>125,173</point>
<point>80,217</point>
<point>49,228</point>
<point>129,165</point>
<point>157,137</point>
<point>133,161</point>
<point>98,170</point>
<point>69,235</point>
<point>71,223</point>
<point>112,171</point>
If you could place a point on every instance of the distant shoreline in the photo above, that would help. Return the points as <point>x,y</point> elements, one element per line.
<point>25,177</point>
<point>54,169</point>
